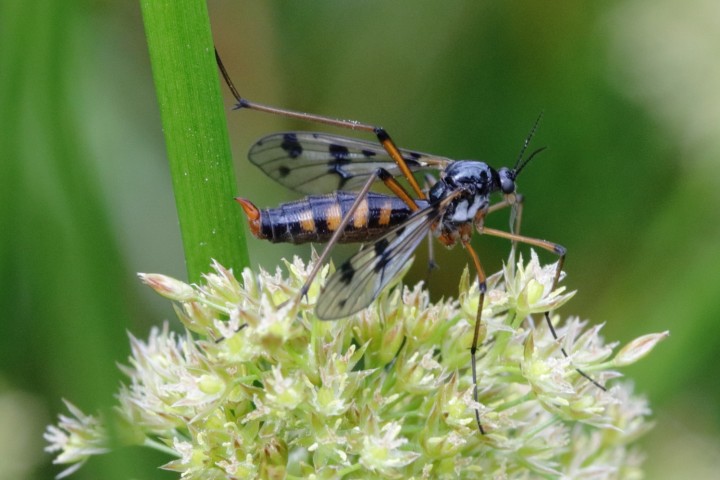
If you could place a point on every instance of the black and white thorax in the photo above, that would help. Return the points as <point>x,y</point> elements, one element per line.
<point>468,184</point>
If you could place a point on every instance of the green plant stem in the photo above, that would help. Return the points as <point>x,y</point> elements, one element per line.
<point>193,119</point>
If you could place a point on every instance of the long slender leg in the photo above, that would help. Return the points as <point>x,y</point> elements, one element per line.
<point>394,152</point>
<point>478,322</point>
<point>515,221</point>
<point>504,203</point>
<point>515,202</point>
<point>382,136</point>
<point>508,201</point>
<point>397,189</point>
<point>432,265</point>
<point>516,215</point>
<point>392,184</point>
<point>561,252</point>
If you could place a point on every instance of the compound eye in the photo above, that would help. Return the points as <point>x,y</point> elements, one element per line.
<point>507,183</point>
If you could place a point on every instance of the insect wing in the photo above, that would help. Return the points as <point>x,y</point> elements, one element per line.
<point>309,162</point>
<point>363,276</point>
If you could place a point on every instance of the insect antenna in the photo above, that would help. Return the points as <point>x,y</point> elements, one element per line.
<point>520,163</point>
<point>518,168</point>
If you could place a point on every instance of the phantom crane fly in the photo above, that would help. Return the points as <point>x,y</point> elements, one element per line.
<point>392,226</point>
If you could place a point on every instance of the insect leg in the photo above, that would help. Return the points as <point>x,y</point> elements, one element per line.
<point>382,136</point>
<point>245,103</point>
<point>561,252</point>
<point>391,183</point>
<point>432,265</point>
<point>482,287</point>
<point>515,202</point>
<point>338,232</point>
<point>397,188</point>
<point>395,154</point>
<point>516,214</point>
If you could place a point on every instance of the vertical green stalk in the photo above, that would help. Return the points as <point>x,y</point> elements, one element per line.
<point>198,149</point>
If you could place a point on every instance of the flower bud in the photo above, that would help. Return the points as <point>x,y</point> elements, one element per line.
<point>168,287</point>
<point>638,348</point>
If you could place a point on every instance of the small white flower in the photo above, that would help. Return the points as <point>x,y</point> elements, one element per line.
<point>529,288</point>
<point>77,438</point>
<point>283,392</point>
<point>382,452</point>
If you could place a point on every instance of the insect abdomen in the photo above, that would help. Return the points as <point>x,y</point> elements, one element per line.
<point>315,218</point>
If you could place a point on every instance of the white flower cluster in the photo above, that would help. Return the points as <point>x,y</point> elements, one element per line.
<point>260,388</point>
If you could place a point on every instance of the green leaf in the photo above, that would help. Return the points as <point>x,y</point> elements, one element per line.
<point>188,90</point>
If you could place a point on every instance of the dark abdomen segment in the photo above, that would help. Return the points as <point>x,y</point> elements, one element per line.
<point>315,218</point>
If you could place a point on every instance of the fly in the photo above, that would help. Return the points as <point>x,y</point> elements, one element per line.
<point>393,225</point>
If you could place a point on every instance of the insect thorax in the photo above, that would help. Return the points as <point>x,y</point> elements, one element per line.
<point>470,183</point>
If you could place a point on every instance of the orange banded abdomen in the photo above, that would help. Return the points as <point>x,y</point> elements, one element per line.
<point>316,217</point>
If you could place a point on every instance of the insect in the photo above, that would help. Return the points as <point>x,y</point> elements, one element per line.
<point>393,225</point>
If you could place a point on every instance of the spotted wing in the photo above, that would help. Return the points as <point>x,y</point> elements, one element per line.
<point>358,281</point>
<point>309,162</point>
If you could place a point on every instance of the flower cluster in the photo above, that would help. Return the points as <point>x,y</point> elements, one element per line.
<point>258,387</point>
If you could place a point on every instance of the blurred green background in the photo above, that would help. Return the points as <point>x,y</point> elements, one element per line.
<point>629,183</point>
